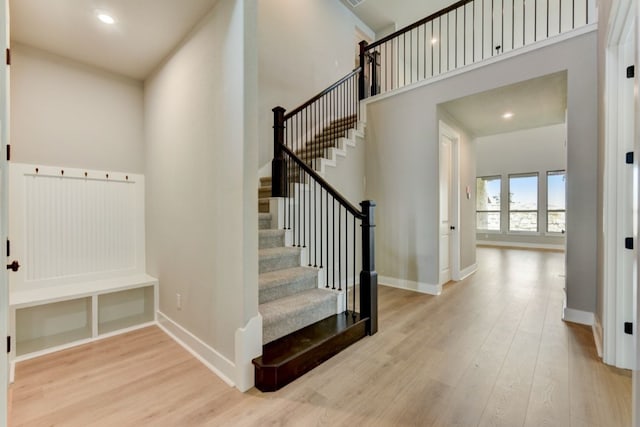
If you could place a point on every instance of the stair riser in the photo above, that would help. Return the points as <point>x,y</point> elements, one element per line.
<point>279,263</point>
<point>263,206</point>
<point>311,314</point>
<point>286,289</point>
<point>266,242</point>
<point>264,192</point>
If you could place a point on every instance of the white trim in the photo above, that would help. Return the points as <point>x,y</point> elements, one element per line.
<point>248,345</point>
<point>454,200</point>
<point>216,362</point>
<point>577,316</point>
<point>423,288</point>
<point>468,271</point>
<point>617,348</point>
<point>503,56</point>
<point>523,245</point>
<point>597,335</point>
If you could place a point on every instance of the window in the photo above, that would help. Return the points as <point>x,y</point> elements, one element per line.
<point>556,201</point>
<point>488,203</point>
<point>523,202</point>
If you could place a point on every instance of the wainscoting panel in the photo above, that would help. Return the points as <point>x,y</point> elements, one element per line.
<point>70,225</point>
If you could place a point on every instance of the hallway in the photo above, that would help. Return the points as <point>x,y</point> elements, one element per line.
<point>491,350</point>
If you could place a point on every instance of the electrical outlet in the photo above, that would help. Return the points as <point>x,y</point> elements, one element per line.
<point>179,301</point>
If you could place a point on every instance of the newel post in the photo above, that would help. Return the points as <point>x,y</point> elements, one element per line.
<point>363,63</point>
<point>368,275</point>
<point>277,164</point>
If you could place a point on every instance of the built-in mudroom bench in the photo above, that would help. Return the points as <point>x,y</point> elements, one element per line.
<point>78,236</point>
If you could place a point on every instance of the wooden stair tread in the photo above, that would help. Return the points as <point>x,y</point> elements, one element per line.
<point>293,355</point>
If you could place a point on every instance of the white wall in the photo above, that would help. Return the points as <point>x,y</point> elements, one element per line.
<point>533,150</point>
<point>64,113</point>
<point>402,162</point>
<point>201,174</point>
<point>304,46</point>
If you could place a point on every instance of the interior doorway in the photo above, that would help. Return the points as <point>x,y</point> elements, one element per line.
<point>449,237</point>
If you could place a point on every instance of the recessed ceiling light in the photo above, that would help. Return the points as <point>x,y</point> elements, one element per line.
<point>434,40</point>
<point>507,115</point>
<point>105,18</point>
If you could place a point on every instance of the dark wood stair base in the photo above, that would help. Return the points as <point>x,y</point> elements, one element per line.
<point>293,355</point>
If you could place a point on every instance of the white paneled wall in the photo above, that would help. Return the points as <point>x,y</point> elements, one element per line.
<point>71,225</point>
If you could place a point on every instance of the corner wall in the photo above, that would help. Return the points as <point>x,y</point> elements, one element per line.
<point>201,202</point>
<point>64,113</point>
<point>402,176</point>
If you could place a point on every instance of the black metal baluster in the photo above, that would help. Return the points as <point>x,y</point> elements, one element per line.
<point>439,45</point>
<point>431,41</point>
<point>333,242</point>
<point>513,24</point>
<point>502,28</point>
<point>455,39</point>
<point>321,265</point>
<point>559,16</point>
<point>535,20</point>
<point>354,263</point>
<point>483,29</point>
<point>524,23</point>
<point>573,14</point>
<point>492,43</point>
<point>315,224</point>
<point>424,57</point>
<point>464,36</point>
<point>339,247</point>
<point>327,254</point>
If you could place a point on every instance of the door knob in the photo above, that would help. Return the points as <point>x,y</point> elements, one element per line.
<point>14,266</point>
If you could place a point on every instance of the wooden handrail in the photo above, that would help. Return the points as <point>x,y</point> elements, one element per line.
<point>321,94</point>
<point>324,184</point>
<point>418,23</point>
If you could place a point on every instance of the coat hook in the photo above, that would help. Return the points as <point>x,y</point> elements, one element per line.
<point>85,174</point>
<point>127,177</point>
<point>62,172</point>
<point>37,170</point>
<point>107,176</point>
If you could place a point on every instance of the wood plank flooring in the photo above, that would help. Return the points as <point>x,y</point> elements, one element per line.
<point>490,351</point>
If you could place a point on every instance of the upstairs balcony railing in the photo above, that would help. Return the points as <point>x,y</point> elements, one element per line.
<point>464,33</point>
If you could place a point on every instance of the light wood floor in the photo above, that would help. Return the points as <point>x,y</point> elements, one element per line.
<point>489,351</point>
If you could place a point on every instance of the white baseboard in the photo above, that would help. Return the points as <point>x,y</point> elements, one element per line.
<point>466,272</point>
<point>523,245</point>
<point>248,346</point>
<point>578,316</point>
<point>597,336</point>
<point>217,363</point>
<point>424,288</point>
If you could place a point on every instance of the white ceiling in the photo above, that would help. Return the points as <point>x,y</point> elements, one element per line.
<point>534,103</point>
<point>146,31</point>
<point>379,15</point>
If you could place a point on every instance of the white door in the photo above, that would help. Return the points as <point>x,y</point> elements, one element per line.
<point>4,137</point>
<point>446,223</point>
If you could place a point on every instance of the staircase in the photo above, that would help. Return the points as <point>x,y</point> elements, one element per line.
<point>289,296</point>
<point>301,325</point>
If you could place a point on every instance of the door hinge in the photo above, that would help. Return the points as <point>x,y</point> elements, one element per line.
<point>8,152</point>
<point>631,71</point>
<point>8,344</point>
<point>628,243</point>
<point>628,328</point>
<point>8,55</point>
<point>8,248</point>
<point>629,158</point>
